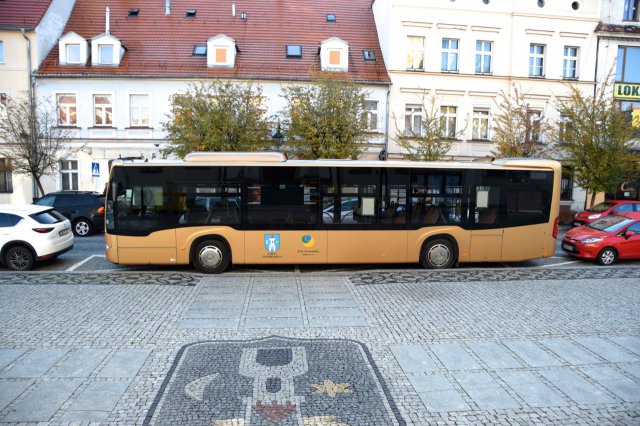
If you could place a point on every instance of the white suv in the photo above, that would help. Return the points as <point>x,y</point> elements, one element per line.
<point>32,233</point>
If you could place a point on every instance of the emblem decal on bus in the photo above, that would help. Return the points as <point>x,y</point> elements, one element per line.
<point>272,242</point>
<point>308,241</point>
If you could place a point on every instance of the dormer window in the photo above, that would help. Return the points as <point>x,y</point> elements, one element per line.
<point>73,54</point>
<point>334,55</point>
<point>221,51</point>
<point>105,54</point>
<point>72,49</point>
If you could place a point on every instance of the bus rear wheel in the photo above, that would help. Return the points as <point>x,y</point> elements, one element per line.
<point>438,254</point>
<point>212,257</point>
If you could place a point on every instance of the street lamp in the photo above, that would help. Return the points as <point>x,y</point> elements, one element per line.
<point>278,137</point>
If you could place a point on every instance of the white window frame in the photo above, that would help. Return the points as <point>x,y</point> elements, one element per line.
<point>138,111</point>
<point>570,63</point>
<point>415,53</point>
<point>536,60</point>
<point>1,52</point>
<point>535,116</point>
<point>68,55</point>
<point>105,59</point>
<point>104,109</point>
<point>450,54</point>
<point>413,120</point>
<point>67,107</point>
<point>449,117</point>
<point>483,56</point>
<point>372,114</point>
<point>69,168</point>
<point>480,128</point>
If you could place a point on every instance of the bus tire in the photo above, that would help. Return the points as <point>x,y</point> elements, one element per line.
<point>438,253</point>
<point>212,256</point>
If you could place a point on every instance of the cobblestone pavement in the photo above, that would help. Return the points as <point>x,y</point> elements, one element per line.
<point>471,346</point>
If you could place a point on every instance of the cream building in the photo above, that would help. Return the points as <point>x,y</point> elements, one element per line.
<point>464,53</point>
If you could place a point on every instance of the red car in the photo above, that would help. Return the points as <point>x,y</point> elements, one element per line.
<point>603,209</point>
<point>606,240</point>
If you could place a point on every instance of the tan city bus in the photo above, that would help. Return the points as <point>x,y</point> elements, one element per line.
<point>215,209</point>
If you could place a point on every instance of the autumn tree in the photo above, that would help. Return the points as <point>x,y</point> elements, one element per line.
<point>218,116</point>
<point>594,139</point>
<point>327,119</point>
<point>31,139</point>
<point>428,133</point>
<point>519,130</point>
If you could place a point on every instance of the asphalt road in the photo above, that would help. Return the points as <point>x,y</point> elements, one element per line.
<point>88,254</point>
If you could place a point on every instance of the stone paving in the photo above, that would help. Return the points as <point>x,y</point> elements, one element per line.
<point>532,346</point>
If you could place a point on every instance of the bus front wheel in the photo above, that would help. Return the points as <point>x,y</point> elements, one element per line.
<point>438,254</point>
<point>212,256</point>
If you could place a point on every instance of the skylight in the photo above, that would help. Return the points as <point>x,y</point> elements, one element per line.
<point>294,50</point>
<point>369,55</point>
<point>331,17</point>
<point>133,13</point>
<point>200,50</point>
<point>191,13</point>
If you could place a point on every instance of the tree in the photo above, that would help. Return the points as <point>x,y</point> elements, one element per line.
<point>32,139</point>
<point>327,119</point>
<point>427,136</point>
<point>518,130</point>
<point>594,139</point>
<point>218,116</point>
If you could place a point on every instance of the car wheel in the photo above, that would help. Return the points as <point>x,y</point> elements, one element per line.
<point>438,254</point>
<point>212,257</point>
<point>82,227</point>
<point>607,256</point>
<point>19,258</point>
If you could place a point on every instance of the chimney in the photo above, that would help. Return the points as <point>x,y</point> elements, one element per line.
<point>167,7</point>
<point>106,25</point>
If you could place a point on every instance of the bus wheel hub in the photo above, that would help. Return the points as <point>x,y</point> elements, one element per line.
<point>439,254</point>
<point>210,256</point>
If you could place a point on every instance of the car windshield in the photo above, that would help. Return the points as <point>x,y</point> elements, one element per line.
<point>601,207</point>
<point>610,223</point>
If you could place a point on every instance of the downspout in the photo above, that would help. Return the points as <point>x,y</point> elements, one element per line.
<point>386,129</point>
<point>34,188</point>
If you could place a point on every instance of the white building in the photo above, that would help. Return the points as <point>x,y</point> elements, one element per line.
<point>113,71</point>
<point>464,53</point>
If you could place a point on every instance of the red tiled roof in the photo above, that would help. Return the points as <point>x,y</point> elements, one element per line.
<point>162,45</point>
<point>22,13</point>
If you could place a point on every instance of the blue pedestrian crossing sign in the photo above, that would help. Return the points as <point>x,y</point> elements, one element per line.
<point>95,169</point>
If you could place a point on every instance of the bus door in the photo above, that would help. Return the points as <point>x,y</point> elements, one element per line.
<point>485,216</point>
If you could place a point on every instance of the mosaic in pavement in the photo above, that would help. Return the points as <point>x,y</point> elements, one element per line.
<point>489,275</point>
<point>274,381</point>
<point>110,278</point>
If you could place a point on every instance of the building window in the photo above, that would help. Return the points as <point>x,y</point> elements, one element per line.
<point>6,184</point>
<point>371,111</point>
<point>570,63</point>
<point>105,54</point>
<point>448,119</point>
<point>533,133</point>
<point>294,51</point>
<point>480,124</point>
<point>566,187</point>
<point>415,53</point>
<point>200,50</point>
<point>67,107</point>
<point>413,120</point>
<point>69,175</point>
<point>139,110</point>
<point>630,10</point>
<point>221,55</point>
<point>1,52</point>
<point>103,110</point>
<point>628,64</point>
<point>483,57</point>
<point>536,60</point>
<point>73,53</point>
<point>449,54</point>
<point>334,57</point>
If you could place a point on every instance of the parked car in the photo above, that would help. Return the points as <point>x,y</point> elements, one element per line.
<point>29,234</point>
<point>606,240</point>
<point>84,209</point>
<point>605,208</point>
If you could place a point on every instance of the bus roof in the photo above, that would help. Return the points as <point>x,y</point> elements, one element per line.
<point>280,160</point>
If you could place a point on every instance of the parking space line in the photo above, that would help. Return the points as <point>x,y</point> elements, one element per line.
<point>561,263</point>
<point>79,264</point>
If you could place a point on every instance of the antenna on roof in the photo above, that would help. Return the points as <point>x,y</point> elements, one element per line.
<point>106,26</point>
<point>233,8</point>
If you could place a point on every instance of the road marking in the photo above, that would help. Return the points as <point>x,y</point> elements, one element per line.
<point>79,264</point>
<point>562,263</point>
